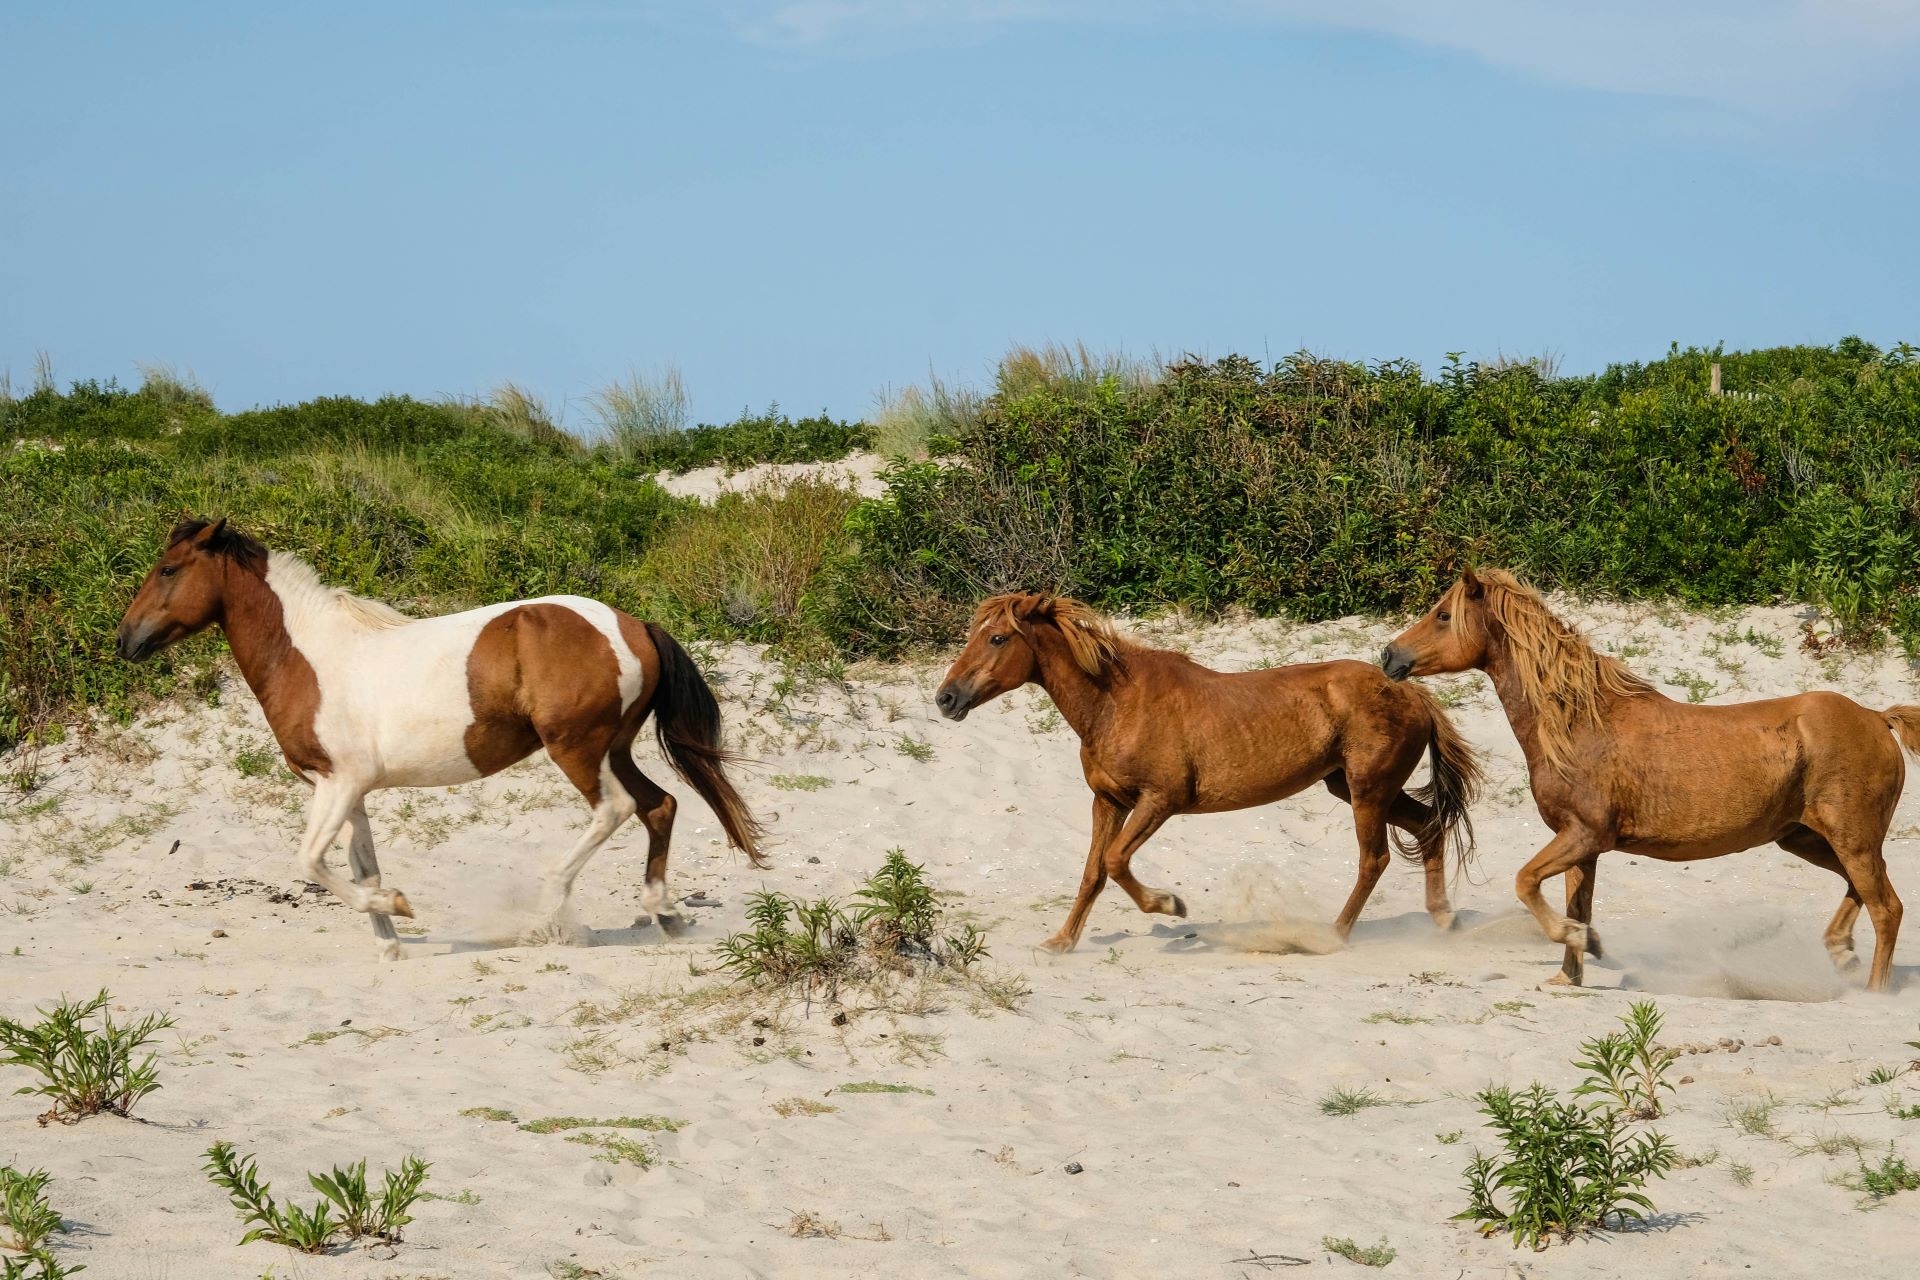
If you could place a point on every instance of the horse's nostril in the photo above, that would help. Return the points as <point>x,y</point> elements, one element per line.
<point>943,699</point>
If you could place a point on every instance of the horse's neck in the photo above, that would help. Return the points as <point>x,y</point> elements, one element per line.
<point>1080,697</point>
<point>254,619</point>
<point>1522,715</point>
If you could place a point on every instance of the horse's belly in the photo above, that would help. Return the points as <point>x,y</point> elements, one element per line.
<point>403,717</point>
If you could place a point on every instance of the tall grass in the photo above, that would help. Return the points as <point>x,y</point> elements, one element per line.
<point>639,415</point>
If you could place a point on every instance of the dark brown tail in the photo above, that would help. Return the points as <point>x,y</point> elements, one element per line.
<point>1905,723</point>
<point>686,721</point>
<point>1449,794</point>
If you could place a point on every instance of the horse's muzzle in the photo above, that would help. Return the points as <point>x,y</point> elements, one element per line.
<point>135,643</point>
<point>953,703</point>
<point>1395,663</point>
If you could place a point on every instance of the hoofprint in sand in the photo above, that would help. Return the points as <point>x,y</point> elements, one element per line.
<point>1180,1064</point>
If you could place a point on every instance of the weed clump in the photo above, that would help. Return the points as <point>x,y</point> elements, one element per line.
<point>818,945</point>
<point>29,1222</point>
<point>84,1070</point>
<point>348,1210</point>
<point>1571,1167</point>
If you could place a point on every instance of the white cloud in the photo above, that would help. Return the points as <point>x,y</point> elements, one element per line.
<point>1763,55</point>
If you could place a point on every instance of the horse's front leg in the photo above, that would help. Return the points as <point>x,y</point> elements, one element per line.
<point>1571,848</point>
<point>333,803</point>
<point>1107,820</point>
<point>366,874</point>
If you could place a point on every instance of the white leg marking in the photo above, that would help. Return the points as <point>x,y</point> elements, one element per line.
<point>615,807</point>
<point>366,873</point>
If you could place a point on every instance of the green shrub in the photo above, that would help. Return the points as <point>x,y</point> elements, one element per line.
<point>1321,488</point>
<point>1629,1067</point>
<point>24,1210</point>
<point>347,1209</point>
<point>1567,1167</point>
<point>1365,1255</point>
<point>84,1070</point>
<point>818,945</point>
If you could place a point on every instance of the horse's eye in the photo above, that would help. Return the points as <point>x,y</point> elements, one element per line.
<point>170,570</point>
<point>996,640</point>
<point>1445,616</point>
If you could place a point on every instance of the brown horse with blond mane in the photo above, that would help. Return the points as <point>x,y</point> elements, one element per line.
<point>1615,764</point>
<point>1162,735</point>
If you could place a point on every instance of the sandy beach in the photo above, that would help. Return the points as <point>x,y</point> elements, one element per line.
<point>1181,1065</point>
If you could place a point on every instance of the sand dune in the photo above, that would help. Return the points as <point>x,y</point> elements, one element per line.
<point>1179,1063</point>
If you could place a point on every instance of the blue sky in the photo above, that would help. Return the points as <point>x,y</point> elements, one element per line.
<point>812,201</point>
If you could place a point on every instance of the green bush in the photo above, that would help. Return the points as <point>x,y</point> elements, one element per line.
<point>84,1070</point>
<point>756,437</point>
<point>1320,488</point>
<point>1566,1167</point>
<point>347,1209</point>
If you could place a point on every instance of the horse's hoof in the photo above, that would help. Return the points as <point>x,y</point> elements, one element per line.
<point>673,924</point>
<point>1846,961</point>
<point>1443,920</point>
<point>390,951</point>
<point>396,904</point>
<point>1176,906</point>
<point>1561,980</point>
<point>1057,945</point>
<point>1593,944</point>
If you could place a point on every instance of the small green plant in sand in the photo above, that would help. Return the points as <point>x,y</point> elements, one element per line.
<point>875,1086</point>
<point>563,1124</point>
<point>25,1215</point>
<point>1890,1177</point>
<point>1366,1255</point>
<point>1628,1067</point>
<point>1570,1167</point>
<point>254,762</point>
<point>894,925</point>
<point>1342,1101</point>
<point>787,1108</point>
<point>83,1069</point>
<point>347,1210</point>
<point>799,781</point>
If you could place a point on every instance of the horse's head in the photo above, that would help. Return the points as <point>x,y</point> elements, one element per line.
<point>1451,637</point>
<point>999,655</point>
<point>185,592</point>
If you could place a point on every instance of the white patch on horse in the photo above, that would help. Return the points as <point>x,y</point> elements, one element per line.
<point>394,704</point>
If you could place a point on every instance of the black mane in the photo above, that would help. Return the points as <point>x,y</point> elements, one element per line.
<point>224,541</point>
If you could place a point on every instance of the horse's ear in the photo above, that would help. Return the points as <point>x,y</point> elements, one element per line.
<point>184,529</point>
<point>1476,589</point>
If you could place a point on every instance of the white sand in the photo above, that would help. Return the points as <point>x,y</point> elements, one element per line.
<point>859,472</point>
<point>1179,1069</point>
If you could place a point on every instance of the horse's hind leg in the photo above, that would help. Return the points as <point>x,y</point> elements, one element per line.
<point>366,874</point>
<point>590,769</point>
<point>1810,846</point>
<point>656,809</point>
<point>1867,872</point>
<point>1412,817</point>
<point>1370,829</point>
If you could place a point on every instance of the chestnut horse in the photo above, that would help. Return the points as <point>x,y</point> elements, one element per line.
<point>1162,735</point>
<point>361,697</point>
<point>1615,764</point>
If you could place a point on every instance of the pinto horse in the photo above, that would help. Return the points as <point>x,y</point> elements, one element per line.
<point>1615,764</point>
<point>362,697</point>
<point>1162,735</point>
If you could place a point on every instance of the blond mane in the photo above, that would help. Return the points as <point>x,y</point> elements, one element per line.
<point>1090,638</point>
<point>1565,678</point>
<point>298,585</point>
